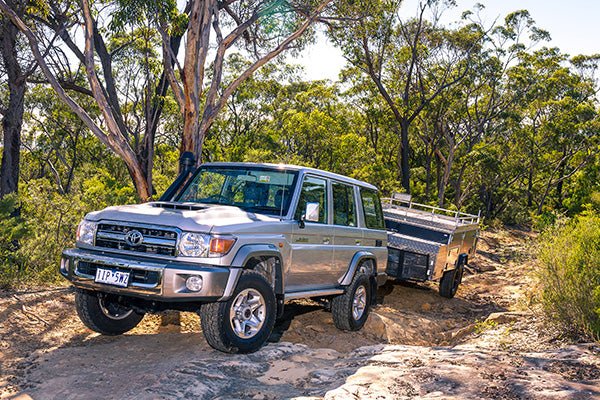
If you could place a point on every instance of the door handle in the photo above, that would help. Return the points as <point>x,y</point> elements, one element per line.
<point>326,240</point>
<point>357,242</point>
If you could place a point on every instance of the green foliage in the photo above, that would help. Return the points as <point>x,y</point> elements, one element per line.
<point>13,229</point>
<point>51,219</point>
<point>33,240</point>
<point>485,325</point>
<point>516,136</point>
<point>569,272</point>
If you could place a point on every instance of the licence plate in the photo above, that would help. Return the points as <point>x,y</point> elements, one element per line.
<point>112,277</point>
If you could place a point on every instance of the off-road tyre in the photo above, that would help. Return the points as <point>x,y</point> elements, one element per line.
<point>217,325</point>
<point>451,281</point>
<point>95,313</point>
<point>342,306</point>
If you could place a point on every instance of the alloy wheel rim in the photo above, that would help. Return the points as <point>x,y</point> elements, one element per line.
<point>114,310</point>
<point>359,303</point>
<point>247,313</point>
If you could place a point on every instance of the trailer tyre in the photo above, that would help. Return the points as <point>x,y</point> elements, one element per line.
<point>243,323</point>
<point>105,316</point>
<point>450,281</point>
<point>351,309</point>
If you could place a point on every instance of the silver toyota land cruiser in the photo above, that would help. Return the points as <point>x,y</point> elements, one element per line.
<point>233,241</point>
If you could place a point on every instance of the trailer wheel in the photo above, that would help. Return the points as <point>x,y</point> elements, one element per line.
<point>103,315</point>
<point>351,309</point>
<point>450,282</point>
<point>243,323</point>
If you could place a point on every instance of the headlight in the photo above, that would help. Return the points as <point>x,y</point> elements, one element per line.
<point>86,232</point>
<point>199,245</point>
<point>193,244</point>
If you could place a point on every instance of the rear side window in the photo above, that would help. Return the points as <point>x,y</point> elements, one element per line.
<point>344,210</point>
<point>372,208</point>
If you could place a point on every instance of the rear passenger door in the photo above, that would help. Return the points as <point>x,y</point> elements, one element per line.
<point>312,246</point>
<point>347,237</point>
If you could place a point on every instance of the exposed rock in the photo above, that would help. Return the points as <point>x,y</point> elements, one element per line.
<point>415,344</point>
<point>376,326</point>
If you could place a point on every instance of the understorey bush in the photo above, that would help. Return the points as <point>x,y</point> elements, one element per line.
<point>569,273</point>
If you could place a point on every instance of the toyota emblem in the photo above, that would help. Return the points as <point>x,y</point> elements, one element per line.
<point>134,238</point>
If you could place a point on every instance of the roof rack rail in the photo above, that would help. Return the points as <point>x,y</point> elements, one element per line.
<point>401,205</point>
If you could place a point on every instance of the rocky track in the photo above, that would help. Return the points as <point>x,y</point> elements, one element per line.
<point>489,342</point>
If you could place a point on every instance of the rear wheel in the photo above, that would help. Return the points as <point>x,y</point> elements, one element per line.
<point>451,281</point>
<point>243,323</point>
<point>351,309</point>
<point>104,314</point>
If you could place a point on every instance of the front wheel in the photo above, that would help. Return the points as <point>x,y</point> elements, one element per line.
<point>243,323</point>
<point>104,315</point>
<point>351,309</point>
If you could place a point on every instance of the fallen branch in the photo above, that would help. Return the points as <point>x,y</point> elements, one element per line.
<point>32,314</point>
<point>472,269</point>
<point>28,313</point>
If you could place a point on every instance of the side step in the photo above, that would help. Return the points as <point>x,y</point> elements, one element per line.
<point>313,293</point>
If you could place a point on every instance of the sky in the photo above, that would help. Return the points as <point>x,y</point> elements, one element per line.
<point>574,26</point>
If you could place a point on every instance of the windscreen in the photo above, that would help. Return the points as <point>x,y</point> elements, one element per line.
<point>261,190</point>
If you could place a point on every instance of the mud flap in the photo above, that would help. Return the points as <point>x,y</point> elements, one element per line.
<point>280,305</point>
<point>374,287</point>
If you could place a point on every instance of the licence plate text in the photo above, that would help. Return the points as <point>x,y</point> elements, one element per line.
<point>111,277</point>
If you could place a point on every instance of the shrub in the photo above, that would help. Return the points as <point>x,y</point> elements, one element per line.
<point>569,272</point>
<point>12,229</point>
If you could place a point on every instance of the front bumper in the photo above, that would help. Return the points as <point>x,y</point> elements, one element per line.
<point>149,278</point>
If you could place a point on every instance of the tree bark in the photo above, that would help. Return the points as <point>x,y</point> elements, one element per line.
<point>198,41</point>
<point>428,157</point>
<point>116,138</point>
<point>12,120</point>
<point>203,14</point>
<point>113,139</point>
<point>404,155</point>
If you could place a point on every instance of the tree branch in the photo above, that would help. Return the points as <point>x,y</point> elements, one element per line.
<point>169,59</point>
<point>109,80</point>
<point>211,111</point>
<point>68,85</point>
<point>33,43</point>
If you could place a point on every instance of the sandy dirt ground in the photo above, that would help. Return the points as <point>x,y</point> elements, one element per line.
<point>488,342</point>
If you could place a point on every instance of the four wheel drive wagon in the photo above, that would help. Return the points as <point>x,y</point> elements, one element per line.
<point>234,242</point>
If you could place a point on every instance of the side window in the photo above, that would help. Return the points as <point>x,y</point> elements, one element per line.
<point>314,191</point>
<point>372,209</point>
<point>344,209</point>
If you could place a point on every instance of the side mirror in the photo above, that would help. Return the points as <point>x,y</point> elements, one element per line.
<point>311,213</point>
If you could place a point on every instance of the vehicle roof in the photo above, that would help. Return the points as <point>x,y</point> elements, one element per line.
<point>291,167</point>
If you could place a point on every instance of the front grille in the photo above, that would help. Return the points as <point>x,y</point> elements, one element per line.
<point>136,275</point>
<point>155,240</point>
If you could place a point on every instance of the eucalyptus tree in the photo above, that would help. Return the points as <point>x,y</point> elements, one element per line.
<point>410,61</point>
<point>478,106</point>
<point>150,32</point>
<point>559,125</point>
<point>15,69</point>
